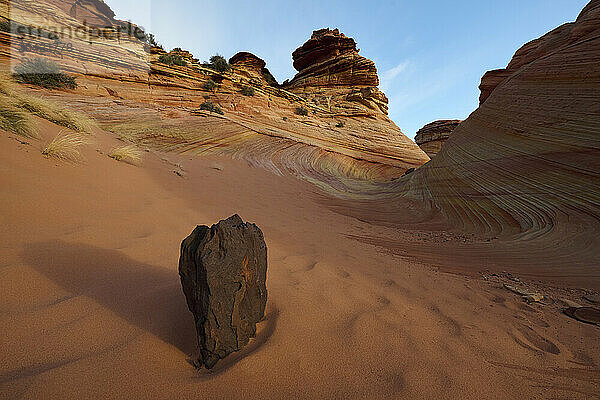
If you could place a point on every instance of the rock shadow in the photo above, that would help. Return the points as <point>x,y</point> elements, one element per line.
<point>147,296</point>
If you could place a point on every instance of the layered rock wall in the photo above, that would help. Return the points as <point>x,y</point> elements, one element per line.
<point>432,136</point>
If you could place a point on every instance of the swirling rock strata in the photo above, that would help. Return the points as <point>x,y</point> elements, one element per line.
<point>223,272</point>
<point>252,67</point>
<point>537,49</point>
<point>329,64</point>
<point>432,136</point>
<point>526,162</point>
<point>347,112</point>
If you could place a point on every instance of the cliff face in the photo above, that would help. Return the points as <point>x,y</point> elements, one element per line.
<point>432,136</point>
<point>537,49</point>
<point>525,164</point>
<point>330,68</point>
<point>345,128</point>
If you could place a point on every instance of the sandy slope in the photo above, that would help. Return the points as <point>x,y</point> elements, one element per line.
<point>91,306</point>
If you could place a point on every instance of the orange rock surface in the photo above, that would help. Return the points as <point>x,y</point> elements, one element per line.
<point>432,136</point>
<point>346,125</point>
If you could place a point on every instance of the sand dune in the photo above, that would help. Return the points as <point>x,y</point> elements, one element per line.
<point>92,306</point>
<point>380,286</point>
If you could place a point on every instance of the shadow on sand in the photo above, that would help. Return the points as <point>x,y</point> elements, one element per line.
<point>147,296</point>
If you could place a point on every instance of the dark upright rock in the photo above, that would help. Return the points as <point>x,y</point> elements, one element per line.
<point>223,271</point>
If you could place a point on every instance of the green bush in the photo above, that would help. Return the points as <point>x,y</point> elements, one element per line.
<point>340,125</point>
<point>247,91</point>
<point>219,63</point>
<point>152,40</point>
<point>285,118</point>
<point>5,25</point>
<point>212,107</point>
<point>302,111</point>
<point>210,85</point>
<point>172,59</point>
<point>44,73</point>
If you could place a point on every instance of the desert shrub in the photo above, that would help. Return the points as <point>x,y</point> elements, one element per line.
<point>15,120</point>
<point>285,118</point>
<point>302,111</point>
<point>269,77</point>
<point>5,25</point>
<point>54,113</point>
<point>129,153</point>
<point>172,59</point>
<point>219,63</point>
<point>65,146</point>
<point>339,125</point>
<point>44,73</point>
<point>152,40</point>
<point>247,91</point>
<point>206,97</point>
<point>210,85</point>
<point>212,107</point>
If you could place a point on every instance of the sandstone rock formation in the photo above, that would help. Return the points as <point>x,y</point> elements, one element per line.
<point>432,136</point>
<point>562,36</point>
<point>329,64</point>
<point>223,271</point>
<point>252,67</point>
<point>524,166</point>
<point>345,136</point>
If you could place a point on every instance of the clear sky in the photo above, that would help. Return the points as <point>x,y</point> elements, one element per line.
<point>430,54</point>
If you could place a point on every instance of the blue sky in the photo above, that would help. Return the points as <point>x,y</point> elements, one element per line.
<point>430,54</point>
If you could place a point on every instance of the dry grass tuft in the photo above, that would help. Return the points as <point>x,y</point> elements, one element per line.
<point>65,146</point>
<point>6,83</point>
<point>15,120</point>
<point>54,113</point>
<point>43,108</point>
<point>129,153</point>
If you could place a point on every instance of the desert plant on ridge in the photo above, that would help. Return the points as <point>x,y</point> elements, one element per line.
<point>247,91</point>
<point>219,63</point>
<point>129,153</point>
<point>210,85</point>
<point>302,111</point>
<point>44,73</point>
<point>65,146</point>
<point>212,107</point>
<point>172,59</point>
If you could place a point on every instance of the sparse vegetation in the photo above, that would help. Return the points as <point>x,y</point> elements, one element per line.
<point>269,77</point>
<point>129,153</point>
<point>152,40</point>
<point>44,73</point>
<point>66,146</point>
<point>212,107</point>
<point>210,85</point>
<point>53,113</point>
<point>219,63</point>
<point>339,125</point>
<point>172,59</point>
<point>206,97</point>
<point>15,120</point>
<point>247,91</point>
<point>302,111</point>
<point>285,118</point>
<point>5,25</point>
<point>16,109</point>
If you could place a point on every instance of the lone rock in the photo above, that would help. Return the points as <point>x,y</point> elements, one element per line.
<point>223,271</point>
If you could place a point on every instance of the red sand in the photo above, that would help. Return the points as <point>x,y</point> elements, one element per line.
<point>91,305</point>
